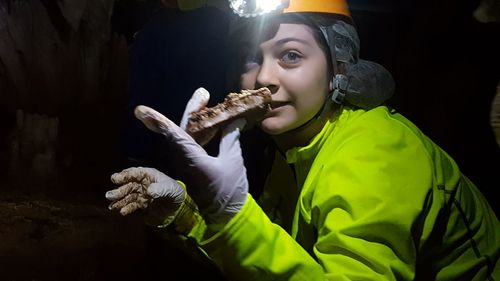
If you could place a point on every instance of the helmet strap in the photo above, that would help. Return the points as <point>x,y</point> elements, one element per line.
<point>313,119</point>
<point>339,79</point>
<point>340,83</point>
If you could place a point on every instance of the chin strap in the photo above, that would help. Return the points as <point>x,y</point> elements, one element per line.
<point>340,84</point>
<point>312,119</point>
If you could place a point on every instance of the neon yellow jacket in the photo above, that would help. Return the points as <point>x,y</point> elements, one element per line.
<point>373,199</point>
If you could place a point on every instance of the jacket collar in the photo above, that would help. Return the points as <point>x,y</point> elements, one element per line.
<point>310,151</point>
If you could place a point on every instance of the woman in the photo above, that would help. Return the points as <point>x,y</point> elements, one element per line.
<point>356,191</point>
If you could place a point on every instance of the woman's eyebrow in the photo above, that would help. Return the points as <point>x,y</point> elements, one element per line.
<point>291,39</point>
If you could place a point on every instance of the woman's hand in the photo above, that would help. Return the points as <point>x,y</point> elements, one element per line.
<point>146,188</point>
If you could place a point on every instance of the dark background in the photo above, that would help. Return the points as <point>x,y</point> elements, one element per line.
<point>67,63</point>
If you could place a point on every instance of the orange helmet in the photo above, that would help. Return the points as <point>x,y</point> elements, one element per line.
<point>319,6</point>
<point>250,8</point>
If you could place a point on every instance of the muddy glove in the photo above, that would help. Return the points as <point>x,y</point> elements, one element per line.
<point>218,185</point>
<point>163,199</point>
<point>139,187</point>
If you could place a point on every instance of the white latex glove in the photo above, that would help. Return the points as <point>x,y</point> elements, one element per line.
<point>218,185</point>
<point>142,188</point>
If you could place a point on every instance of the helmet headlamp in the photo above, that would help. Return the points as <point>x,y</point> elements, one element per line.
<point>252,8</point>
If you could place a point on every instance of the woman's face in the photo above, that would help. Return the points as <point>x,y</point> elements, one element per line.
<point>294,67</point>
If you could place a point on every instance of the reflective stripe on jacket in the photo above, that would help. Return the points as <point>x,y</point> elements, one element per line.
<point>373,199</point>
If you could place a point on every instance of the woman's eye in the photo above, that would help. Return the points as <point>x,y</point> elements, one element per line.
<point>290,57</point>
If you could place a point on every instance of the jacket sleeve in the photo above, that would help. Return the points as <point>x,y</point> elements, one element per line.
<point>251,247</point>
<point>185,233</point>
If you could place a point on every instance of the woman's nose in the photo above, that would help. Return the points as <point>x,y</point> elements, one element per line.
<point>267,77</point>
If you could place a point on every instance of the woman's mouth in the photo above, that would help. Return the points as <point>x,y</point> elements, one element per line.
<point>276,104</point>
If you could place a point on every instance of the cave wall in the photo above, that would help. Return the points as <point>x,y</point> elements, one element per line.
<point>64,82</point>
<point>63,89</point>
